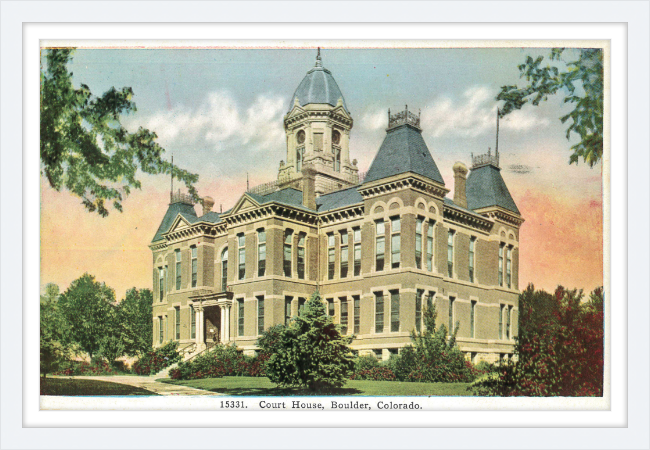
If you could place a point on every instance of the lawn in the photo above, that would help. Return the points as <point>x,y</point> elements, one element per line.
<point>262,386</point>
<point>67,386</point>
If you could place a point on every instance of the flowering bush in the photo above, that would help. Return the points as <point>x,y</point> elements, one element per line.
<point>156,360</point>
<point>96,367</point>
<point>375,373</point>
<point>222,360</point>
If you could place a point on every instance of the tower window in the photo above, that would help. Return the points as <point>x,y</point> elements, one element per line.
<point>261,253</point>
<point>241,242</point>
<point>300,154</point>
<point>337,159</point>
<point>380,244</point>
<point>357,251</point>
<point>395,242</point>
<point>336,137</point>
<point>344,254</point>
<point>418,242</point>
<point>301,256</point>
<point>288,240</point>
<point>318,142</point>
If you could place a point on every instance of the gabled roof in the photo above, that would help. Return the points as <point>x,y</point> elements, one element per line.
<point>403,150</point>
<point>184,209</point>
<point>485,187</point>
<point>338,199</point>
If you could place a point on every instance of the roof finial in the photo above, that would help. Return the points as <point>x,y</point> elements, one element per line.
<point>319,62</point>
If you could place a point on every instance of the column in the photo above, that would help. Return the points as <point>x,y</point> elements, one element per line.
<point>227,337</point>
<point>201,328</point>
<point>197,320</point>
<point>222,329</point>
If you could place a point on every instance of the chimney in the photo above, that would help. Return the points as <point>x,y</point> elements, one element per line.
<point>309,187</point>
<point>208,203</point>
<point>460,180</point>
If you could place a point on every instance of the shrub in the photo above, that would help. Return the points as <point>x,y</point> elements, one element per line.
<point>96,367</point>
<point>379,373</point>
<point>365,362</point>
<point>157,359</point>
<point>221,360</point>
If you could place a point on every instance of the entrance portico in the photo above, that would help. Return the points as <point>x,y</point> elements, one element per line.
<point>212,312</point>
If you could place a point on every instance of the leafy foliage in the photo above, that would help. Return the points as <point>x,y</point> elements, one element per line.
<point>84,146</point>
<point>56,341</point>
<point>310,351</point>
<point>96,367</point>
<point>582,84</point>
<point>560,356</point>
<point>157,359</point>
<point>220,361</point>
<point>134,321</point>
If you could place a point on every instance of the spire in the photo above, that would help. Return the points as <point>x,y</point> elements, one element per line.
<point>319,62</point>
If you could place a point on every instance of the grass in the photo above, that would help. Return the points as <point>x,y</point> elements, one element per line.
<point>68,386</point>
<point>262,386</point>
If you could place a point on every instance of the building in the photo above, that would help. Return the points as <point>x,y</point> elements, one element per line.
<point>379,248</point>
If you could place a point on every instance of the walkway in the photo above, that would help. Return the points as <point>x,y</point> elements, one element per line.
<point>148,383</point>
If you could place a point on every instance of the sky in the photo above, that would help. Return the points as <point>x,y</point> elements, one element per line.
<point>220,113</point>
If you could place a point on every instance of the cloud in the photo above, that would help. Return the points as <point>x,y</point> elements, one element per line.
<point>374,120</point>
<point>219,123</point>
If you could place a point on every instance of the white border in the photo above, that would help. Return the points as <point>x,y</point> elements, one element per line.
<point>634,13</point>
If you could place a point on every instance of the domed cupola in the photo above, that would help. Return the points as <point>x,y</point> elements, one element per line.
<point>318,87</point>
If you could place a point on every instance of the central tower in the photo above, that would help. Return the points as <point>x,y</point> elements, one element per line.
<point>317,128</point>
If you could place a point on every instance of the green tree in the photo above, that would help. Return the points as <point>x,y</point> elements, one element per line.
<point>55,337</point>
<point>89,308</point>
<point>310,351</point>
<point>134,321</point>
<point>581,83</point>
<point>84,146</point>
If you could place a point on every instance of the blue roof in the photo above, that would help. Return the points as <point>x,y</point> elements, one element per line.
<point>403,150</point>
<point>185,210</point>
<point>338,199</point>
<point>318,87</point>
<point>485,187</point>
<point>288,196</point>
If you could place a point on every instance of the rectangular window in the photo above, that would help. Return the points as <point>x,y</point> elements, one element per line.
<point>241,243</point>
<point>331,256</point>
<point>178,268</point>
<point>337,159</point>
<point>394,311</point>
<point>318,142</point>
<point>161,283</point>
<point>330,307</point>
<point>288,241</point>
<point>430,230</point>
<point>161,330</point>
<point>472,247</point>
<point>301,305</point>
<point>261,253</point>
<point>380,245</point>
<point>379,312</point>
<point>501,247</point>
<point>344,315</point>
<point>224,271</point>
<point>177,321</point>
<point>472,318</point>
<point>165,279</point>
<point>357,313</point>
<point>357,251</point>
<point>301,255</point>
<point>508,318</point>
<point>260,314</point>
<point>344,254</point>
<point>192,323</point>
<point>195,265</point>
<point>240,317</point>
<point>501,310</point>
<point>287,309</point>
<point>451,314</point>
<point>430,298</point>
<point>418,242</point>
<point>509,267</point>
<point>450,254</point>
<point>418,309</point>
<point>395,242</point>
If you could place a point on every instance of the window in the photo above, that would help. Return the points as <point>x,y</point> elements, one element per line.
<point>344,254</point>
<point>192,323</point>
<point>165,279</point>
<point>300,153</point>
<point>357,313</point>
<point>501,310</point>
<point>261,253</point>
<point>418,242</point>
<point>288,238</point>
<point>472,246</point>
<point>450,254</point>
<point>260,314</point>
<point>472,318</point>
<point>287,309</point>
<point>418,309</point>
<point>337,159</point>
<point>241,243</point>
<point>224,270</point>
<point>318,142</point>
<point>344,315</point>
<point>451,314</point>
<point>380,245</point>
<point>161,330</point>
<point>330,307</point>
<point>330,256</point>
<point>430,297</point>
<point>195,265</point>
<point>240,317</point>
<point>509,267</point>
<point>177,321</point>
<point>394,311</point>
<point>161,283</point>
<point>178,268</point>
<point>301,305</point>
<point>508,318</point>
<point>301,255</point>
<point>430,229</point>
<point>379,312</point>
<point>501,247</point>
<point>395,241</point>
<point>356,232</point>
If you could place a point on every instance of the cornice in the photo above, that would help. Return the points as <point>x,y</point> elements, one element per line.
<point>503,215</point>
<point>407,181</point>
<point>464,218</point>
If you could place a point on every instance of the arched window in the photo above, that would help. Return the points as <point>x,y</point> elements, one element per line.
<point>224,269</point>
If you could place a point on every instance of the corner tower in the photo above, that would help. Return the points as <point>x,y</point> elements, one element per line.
<point>317,128</point>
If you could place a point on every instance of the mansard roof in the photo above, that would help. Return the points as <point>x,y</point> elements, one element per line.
<point>338,199</point>
<point>403,150</point>
<point>184,209</point>
<point>485,187</point>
